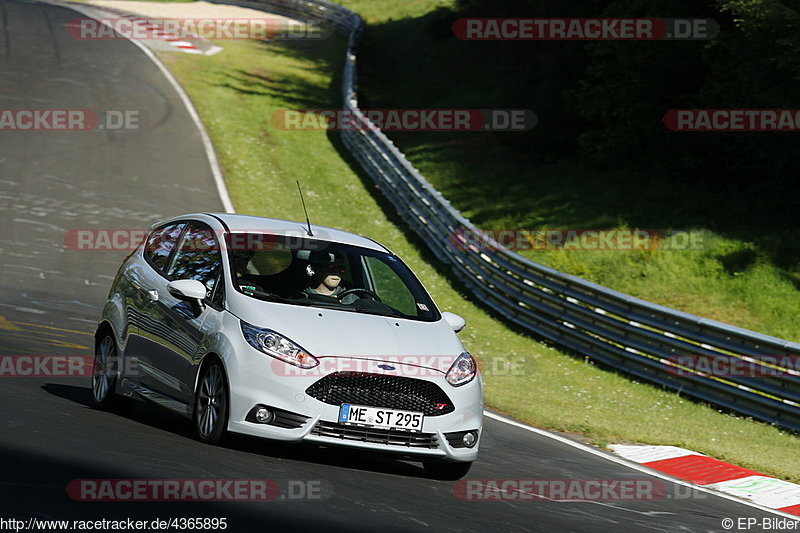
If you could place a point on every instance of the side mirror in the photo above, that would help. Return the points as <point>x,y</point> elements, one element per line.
<point>187,289</point>
<point>455,321</point>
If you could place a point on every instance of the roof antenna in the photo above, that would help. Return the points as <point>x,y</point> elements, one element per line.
<point>304,209</point>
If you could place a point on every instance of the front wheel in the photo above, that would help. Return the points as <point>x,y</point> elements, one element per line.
<point>211,404</point>
<point>446,471</point>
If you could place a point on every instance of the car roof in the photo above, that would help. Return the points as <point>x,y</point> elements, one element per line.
<point>244,223</point>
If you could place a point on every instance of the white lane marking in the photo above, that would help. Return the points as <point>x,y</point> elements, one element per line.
<point>596,502</point>
<point>213,162</point>
<point>24,309</point>
<point>633,466</point>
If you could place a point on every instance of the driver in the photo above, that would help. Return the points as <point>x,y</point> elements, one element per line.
<point>326,280</point>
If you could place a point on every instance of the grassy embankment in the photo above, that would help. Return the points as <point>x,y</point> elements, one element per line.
<point>746,271</point>
<point>236,93</point>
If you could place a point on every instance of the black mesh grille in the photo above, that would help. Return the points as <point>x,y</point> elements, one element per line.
<point>379,390</point>
<point>390,437</point>
<point>288,420</point>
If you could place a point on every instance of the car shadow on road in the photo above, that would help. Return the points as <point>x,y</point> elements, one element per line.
<point>161,419</point>
<point>36,485</point>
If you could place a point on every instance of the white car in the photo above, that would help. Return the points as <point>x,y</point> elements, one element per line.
<point>284,331</point>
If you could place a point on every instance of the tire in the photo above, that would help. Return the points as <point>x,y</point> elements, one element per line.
<point>446,471</point>
<point>104,379</point>
<point>211,404</point>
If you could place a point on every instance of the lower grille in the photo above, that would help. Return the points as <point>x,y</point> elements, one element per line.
<point>377,436</point>
<point>288,419</point>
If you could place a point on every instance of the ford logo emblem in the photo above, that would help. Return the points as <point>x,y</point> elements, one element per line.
<point>386,367</point>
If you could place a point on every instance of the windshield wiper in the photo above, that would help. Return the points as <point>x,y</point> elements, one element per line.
<point>275,297</point>
<point>367,311</point>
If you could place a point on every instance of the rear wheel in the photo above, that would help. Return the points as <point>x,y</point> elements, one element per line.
<point>104,379</point>
<point>446,471</point>
<point>211,404</point>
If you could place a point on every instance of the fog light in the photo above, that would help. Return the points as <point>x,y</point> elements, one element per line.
<point>470,439</point>
<point>264,415</point>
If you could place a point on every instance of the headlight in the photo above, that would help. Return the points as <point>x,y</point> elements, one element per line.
<point>276,345</point>
<point>462,370</point>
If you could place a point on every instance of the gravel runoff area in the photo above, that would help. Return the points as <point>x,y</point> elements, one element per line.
<point>185,10</point>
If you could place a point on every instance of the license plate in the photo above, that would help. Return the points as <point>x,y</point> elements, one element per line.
<point>378,417</point>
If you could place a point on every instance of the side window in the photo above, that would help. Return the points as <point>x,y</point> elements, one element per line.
<point>390,287</point>
<point>160,244</point>
<point>198,257</point>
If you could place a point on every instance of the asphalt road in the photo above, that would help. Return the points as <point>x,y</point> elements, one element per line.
<point>52,183</point>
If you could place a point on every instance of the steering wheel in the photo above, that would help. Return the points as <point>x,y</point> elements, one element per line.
<point>369,292</point>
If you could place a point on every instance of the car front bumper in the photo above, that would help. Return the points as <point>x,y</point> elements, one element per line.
<point>257,380</point>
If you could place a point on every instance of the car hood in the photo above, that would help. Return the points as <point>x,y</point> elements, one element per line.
<point>328,332</point>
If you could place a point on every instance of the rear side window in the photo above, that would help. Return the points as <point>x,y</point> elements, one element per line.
<point>160,244</point>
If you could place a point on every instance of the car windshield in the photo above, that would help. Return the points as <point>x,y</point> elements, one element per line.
<point>316,273</point>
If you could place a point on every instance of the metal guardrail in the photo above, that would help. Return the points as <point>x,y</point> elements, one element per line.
<point>634,336</point>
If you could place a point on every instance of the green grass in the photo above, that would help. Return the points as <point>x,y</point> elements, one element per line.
<point>372,11</point>
<point>236,93</point>
<point>747,274</point>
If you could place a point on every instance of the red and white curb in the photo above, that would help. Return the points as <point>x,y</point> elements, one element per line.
<point>181,44</point>
<point>717,475</point>
<point>148,27</point>
<point>172,40</point>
